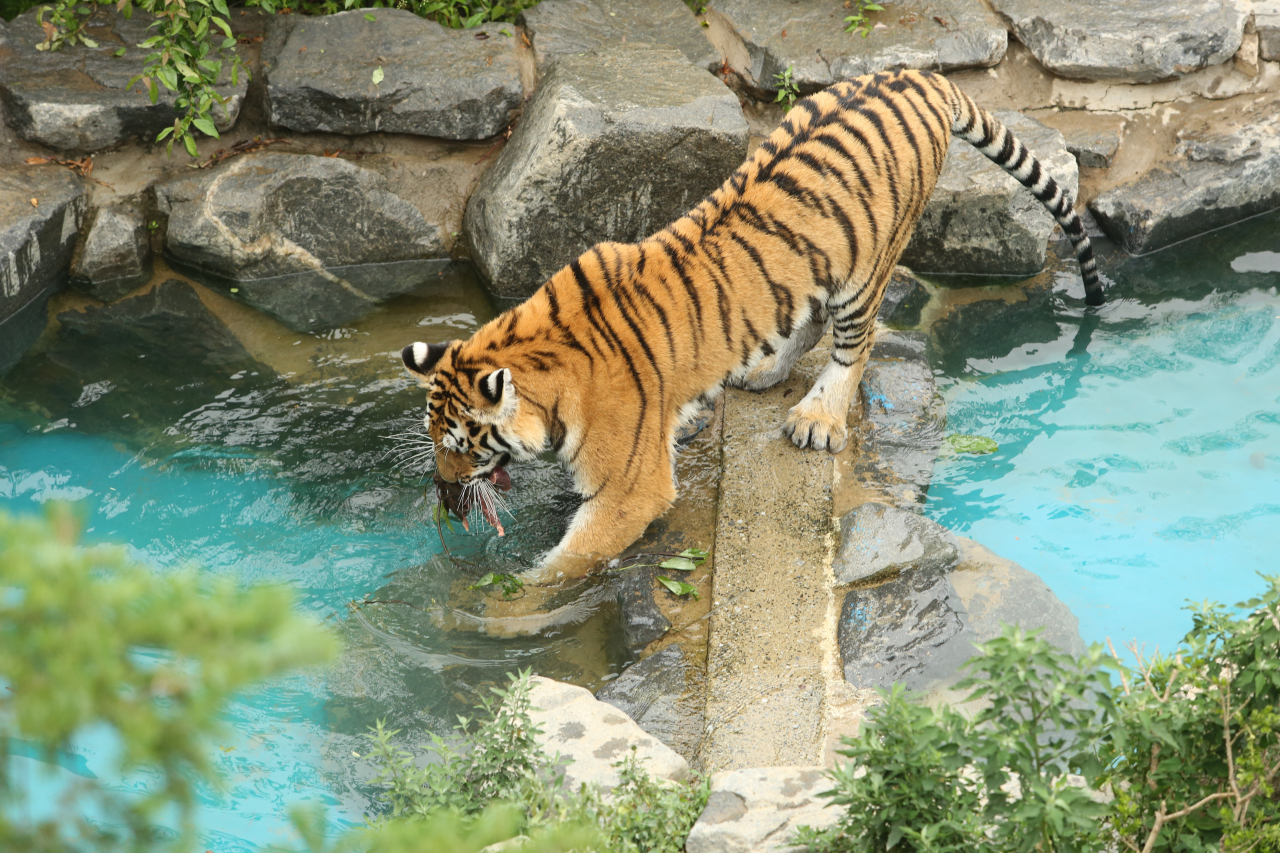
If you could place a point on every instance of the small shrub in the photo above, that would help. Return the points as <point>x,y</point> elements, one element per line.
<point>90,639</point>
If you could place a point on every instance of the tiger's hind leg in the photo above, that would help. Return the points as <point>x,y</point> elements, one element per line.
<point>772,369</point>
<point>819,420</point>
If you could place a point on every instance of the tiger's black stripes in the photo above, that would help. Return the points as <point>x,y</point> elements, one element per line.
<point>605,361</point>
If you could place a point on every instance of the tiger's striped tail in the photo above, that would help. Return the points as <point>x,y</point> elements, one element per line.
<point>984,131</point>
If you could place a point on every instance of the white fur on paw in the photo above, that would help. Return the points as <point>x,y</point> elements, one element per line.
<point>816,430</point>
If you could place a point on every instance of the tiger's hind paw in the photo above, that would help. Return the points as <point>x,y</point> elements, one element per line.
<point>816,430</point>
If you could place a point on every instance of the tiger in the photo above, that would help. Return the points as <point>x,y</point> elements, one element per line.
<point>617,350</point>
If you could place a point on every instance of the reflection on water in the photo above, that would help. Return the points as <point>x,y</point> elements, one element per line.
<point>278,469</point>
<point>1139,461</point>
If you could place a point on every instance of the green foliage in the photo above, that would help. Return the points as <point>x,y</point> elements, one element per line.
<point>858,22</point>
<point>1188,748</point>
<point>457,14</point>
<point>90,639</point>
<point>503,763</point>
<point>1194,756</point>
<point>185,60</point>
<point>509,584</point>
<point>975,444</point>
<point>905,785</point>
<point>788,91</point>
<point>678,587</point>
<point>64,24</point>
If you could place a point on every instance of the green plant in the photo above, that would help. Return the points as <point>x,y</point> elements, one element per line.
<point>65,24</point>
<point>678,587</point>
<point>1187,747</point>
<point>905,785</point>
<point>90,639</point>
<point>858,22</point>
<point>509,584</point>
<point>500,760</point>
<point>788,91</point>
<point>1194,755</point>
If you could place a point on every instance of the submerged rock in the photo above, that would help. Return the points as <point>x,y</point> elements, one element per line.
<point>1222,171</point>
<point>169,319</point>
<point>596,736</point>
<point>78,98</point>
<point>1136,42</point>
<point>808,37</point>
<point>980,219</point>
<point>613,146</point>
<point>992,322</point>
<point>996,592</point>
<point>642,619</point>
<point>879,541</point>
<point>435,81</point>
<point>40,212</point>
<point>663,694</point>
<point>281,232</point>
<point>115,255</point>
<point>561,28</point>
<point>760,810</point>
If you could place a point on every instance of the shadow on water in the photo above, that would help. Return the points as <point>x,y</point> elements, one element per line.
<point>277,467</point>
<point>1139,463</point>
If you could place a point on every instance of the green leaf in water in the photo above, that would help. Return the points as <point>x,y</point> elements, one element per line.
<point>686,561</point>
<point>510,584</point>
<point>679,587</point>
<point>976,444</point>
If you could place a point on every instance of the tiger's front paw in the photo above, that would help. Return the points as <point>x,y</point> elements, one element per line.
<point>816,429</point>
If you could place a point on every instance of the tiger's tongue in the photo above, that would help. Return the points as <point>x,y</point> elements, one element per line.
<point>500,478</point>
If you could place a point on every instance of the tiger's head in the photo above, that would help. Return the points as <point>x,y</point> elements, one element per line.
<point>475,421</point>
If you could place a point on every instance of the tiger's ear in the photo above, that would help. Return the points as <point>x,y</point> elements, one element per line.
<point>421,358</point>
<point>495,385</point>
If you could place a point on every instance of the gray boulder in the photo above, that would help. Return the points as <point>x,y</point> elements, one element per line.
<point>908,630</point>
<point>169,318</point>
<point>613,146</point>
<point>1266,18</point>
<point>1136,42</point>
<point>995,592</point>
<point>663,693</point>
<point>115,255</point>
<point>560,28</point>
<point>455,84</point>
<point>902,420</point>
<point>40,212</point>
<point>1093,149</point>
<point>309,240</point>
<point>1221,172</point>
<point>980,219</point>
<point>808,37</point>
<point>78,98</point>
<point>878,541</point>
<point>904,299</point>
<point>596,736</point>
<point>759,810</point>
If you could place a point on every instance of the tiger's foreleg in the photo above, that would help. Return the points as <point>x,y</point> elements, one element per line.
<point>772,369</point>
<point>612,518</point>
<point>820,419</point>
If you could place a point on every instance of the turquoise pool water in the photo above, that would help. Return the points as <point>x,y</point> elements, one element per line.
<point>1139,460</point>
<point>277,469</point>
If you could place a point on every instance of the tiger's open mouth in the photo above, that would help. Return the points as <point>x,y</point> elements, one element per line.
<point>481,493</point>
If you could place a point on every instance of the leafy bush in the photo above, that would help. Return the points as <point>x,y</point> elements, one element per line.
<point>1186,751</point>
<point>503,762</point>
<point>90,639</point>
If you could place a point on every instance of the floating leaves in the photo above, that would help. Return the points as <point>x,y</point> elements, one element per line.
<point>975,444</point>
<point>679,587</point>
